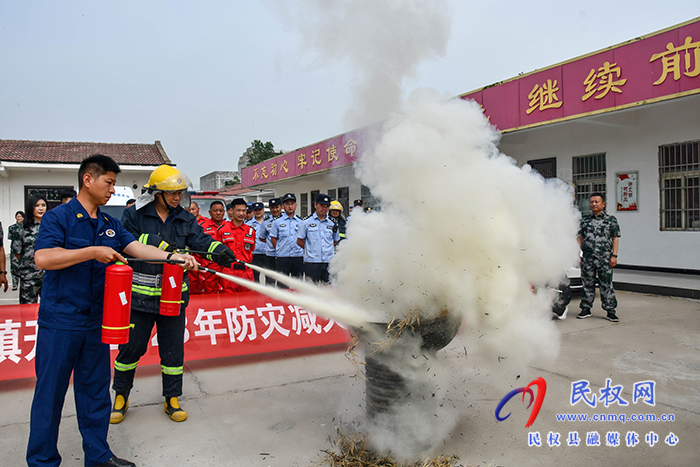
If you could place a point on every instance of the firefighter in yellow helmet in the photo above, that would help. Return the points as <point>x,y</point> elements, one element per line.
<point>336,215</point>
<point>160,218</point>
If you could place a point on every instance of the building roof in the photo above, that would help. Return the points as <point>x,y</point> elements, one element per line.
<point>61,152</point>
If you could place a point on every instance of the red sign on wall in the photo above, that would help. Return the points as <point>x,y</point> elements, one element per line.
<point>334,152</point>
<point>659,67</point>
<point>218,325</point>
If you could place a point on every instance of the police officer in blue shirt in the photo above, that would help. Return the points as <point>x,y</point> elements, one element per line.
<point>318,237</point>
<point>259,256</point>
<point>275,205</point>
<point>284,233</point>
<point>75,244</point>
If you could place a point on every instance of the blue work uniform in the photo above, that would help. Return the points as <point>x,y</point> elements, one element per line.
<point>69,336</point>
<point>289,255</point>
<point>319,238</point>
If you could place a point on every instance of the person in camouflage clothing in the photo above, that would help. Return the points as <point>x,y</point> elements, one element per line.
<point>30,276</point>
<point>12,233</point>
<point>598,237</point>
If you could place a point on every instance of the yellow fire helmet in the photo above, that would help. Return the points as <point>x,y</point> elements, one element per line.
<point>335,205</point>
<point>166,178</point>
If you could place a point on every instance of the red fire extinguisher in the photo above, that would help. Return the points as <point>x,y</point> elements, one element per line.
<point>117,304</point>
<point>171,290</point>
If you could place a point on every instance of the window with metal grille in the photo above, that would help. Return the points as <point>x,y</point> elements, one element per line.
<point>589,174</point>
<point>304,205</point>
<point>679,187</point>
<point>546,167</point>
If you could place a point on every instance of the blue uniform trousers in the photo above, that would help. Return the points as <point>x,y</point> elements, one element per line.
<point>58,354</point>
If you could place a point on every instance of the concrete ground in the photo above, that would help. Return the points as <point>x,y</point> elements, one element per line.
<point>283,409</point>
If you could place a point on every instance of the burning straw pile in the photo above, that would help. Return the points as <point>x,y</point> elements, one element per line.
<point>355,453</point>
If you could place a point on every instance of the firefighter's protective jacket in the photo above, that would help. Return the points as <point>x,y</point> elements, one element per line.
<point>180,231</point>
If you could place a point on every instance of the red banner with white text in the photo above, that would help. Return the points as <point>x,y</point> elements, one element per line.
<point>218,325</point>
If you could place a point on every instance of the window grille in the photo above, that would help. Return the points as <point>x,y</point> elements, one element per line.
<point>679,187</point>
<point>546,167</point>
<point>589,173</point>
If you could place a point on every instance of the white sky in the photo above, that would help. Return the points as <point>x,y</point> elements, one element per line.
<point>208,77</point>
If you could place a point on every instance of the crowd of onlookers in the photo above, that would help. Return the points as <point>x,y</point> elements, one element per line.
<point>283,241</point>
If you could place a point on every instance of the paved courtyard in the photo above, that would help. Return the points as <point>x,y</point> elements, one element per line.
<point>283,409</point>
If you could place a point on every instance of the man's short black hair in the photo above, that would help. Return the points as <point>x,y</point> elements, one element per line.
<point>239,201</point>
<point>68,193</point>
<point>602,196</point>
<point>215,202</point>
<point>96,165</point>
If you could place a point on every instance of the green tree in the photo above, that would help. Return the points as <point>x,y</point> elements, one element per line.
<point>261,152</point>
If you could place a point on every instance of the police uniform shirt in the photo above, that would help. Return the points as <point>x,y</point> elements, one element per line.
<point>72,297</point>
<point>285,229</point>
<point>260,245</point>
<point>319,238</point>
<point>264,234</point>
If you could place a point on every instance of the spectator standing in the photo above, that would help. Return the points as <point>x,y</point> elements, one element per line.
<point>197,277</point>
<point>259,256</point>
<point>31,277</point>
<point>240,238</point>
<point>318,236</point>
<point>3,271</point>
<point>284,231</point>
<point>275,205</point>
<point>599,236</point>
<point>205,282</point>
<point>13,232</point>
<point>336,213</point>
<point>67,195</point>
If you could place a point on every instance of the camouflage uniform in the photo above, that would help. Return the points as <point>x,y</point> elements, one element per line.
<point>31,278</point>
<point>597,242</point>
<point>12,233</point>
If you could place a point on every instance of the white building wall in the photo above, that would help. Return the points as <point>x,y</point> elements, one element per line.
<point>630,140</point>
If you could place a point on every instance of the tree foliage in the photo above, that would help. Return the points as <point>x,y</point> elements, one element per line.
<point>261,152</point>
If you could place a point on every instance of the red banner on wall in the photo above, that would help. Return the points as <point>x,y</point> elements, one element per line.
<point>218,325</point>
<point>660,66</point>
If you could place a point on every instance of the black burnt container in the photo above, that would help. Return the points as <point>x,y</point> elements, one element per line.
<point>388,388</point>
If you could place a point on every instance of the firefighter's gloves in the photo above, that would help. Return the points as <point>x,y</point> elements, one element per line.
<point>227,258</point>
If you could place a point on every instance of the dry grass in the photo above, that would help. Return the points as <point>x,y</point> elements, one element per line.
<point>353,452</point>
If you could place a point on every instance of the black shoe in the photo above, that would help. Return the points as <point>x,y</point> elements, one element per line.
<point>584,314</point>
<point>612,317</point>
<point>117,462</point>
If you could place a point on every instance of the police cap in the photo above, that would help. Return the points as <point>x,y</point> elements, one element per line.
<point>274,202</point>
<point>256,206</point>
<point>323,199</point>
<point>288,197</point>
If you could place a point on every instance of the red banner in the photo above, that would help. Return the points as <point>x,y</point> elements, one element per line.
<point>218,325</point>
<point>334,152</point>
<point>660,66</point>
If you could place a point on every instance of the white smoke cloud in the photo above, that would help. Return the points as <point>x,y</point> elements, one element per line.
<point>461,228</point>
<point>382,41</point>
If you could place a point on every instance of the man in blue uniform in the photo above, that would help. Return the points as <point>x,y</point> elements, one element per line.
<point>283,234</point>
<point>259,255</point>
<point>318,236</point>
<point>275,205</point>
<point>75,243</point>
<point>160,219</point>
